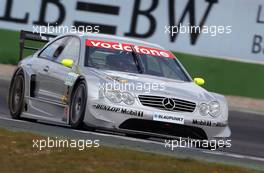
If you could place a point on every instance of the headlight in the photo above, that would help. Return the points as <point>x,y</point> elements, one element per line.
<point>204,109</point>
<point>114,96</point>
<point>128,98</point>
<point>117,96</point>
<point>214,108</point>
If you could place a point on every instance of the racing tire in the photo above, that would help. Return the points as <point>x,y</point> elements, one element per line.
<point>78,106</point>
<point>16,95</point>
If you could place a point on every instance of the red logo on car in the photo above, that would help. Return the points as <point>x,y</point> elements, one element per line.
<point>128,48</point>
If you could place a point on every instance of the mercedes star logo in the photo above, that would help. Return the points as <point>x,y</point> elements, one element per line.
<point>168,103</point>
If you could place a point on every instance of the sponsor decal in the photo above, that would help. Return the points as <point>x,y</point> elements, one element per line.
<point>70,79</point>
<point>208,123</point>
<point>169,118</point>
<point>106,108</point>
<point>132,112</point>
<point>118,79</point>
<point>220,124</point>
<point>66,114</point>
<point>119,110</point>
<point>64,99</point>
<point>128,48</point>
<point>202,122</point>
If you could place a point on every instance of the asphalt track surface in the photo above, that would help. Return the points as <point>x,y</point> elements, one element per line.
<point>247,137</point>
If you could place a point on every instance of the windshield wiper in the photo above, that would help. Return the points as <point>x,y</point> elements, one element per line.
<point>136,59</point>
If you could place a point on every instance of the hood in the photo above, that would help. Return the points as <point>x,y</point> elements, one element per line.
<point>156,86</point>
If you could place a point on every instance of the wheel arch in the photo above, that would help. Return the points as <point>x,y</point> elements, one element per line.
<point>77,81</point>
<point>70,96</point>
<point>18,70</point>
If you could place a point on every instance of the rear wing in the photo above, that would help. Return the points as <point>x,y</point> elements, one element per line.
<point>27,35</point>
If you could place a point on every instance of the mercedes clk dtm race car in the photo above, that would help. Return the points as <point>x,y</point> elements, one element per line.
<point>102,82</point>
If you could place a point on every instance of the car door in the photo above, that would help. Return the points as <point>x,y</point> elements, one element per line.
<point>55,88</point>
<point>59,73</point>
<point>44,100</point>
<point>43,69</point>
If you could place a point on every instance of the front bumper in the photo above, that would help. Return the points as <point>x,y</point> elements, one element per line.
<point>143,119</point>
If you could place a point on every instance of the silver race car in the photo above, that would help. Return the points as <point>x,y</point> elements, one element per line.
<point>113,83</point>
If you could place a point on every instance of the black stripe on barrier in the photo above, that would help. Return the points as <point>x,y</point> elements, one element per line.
<point>98,8</point>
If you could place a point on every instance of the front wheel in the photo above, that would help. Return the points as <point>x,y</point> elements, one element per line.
<point>78,105</point>
<point>16,95</point>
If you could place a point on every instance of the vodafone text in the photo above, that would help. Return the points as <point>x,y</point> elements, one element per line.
<point>130,48</point>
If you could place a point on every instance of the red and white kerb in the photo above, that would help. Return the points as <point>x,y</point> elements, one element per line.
<point>127,47</point>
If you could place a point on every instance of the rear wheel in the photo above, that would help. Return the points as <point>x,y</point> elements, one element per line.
<point>16,95</point>
<point>78,105</point>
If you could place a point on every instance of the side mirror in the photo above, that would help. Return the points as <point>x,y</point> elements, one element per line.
<point>199,81</point>
<point>67,62</point>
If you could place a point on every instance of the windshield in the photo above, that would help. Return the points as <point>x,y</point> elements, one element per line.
<point>133,59</point>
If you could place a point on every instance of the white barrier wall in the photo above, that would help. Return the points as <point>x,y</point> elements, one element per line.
<point>240,23</point>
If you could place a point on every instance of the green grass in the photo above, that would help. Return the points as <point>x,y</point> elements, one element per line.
<point>18,155</point>
<point>222,76</point>
<point>9,47</point>
<point>226,77</point>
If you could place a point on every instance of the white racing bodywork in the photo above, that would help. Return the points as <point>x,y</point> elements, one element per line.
<point>174,89</point>
<point>52,92</point>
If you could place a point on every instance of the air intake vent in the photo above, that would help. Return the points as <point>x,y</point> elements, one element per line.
<point>169,104</point>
